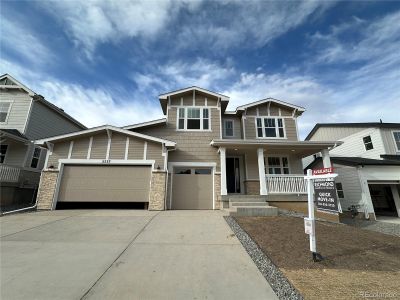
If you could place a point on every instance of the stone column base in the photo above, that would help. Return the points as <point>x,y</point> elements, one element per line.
<point>46,190</point>
<point>157,190</point>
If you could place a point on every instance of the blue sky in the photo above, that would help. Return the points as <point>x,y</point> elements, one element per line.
<point>106,62</point>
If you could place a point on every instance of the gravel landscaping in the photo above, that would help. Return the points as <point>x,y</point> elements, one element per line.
<point>279,283</point>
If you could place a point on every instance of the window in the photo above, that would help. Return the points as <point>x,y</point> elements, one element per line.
<point>190,118</point>
<point>339,189</point>
<point>270,128</point>
<point>202,171</point>
<point>368,143</point>
<point>4,111</point>
<point>396,135</point>
<point>228,128</point>
<point>35,158</point>
<point>3,151</point>
<point>182,171</point>
<point>277,165</point>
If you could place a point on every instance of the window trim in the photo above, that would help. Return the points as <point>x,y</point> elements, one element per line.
<point>186,118</point>
<point>5,155</point>
<point>394,140</point>
<point>9,110</point>
<point>276,127</point>
<point>280,162</point>
<point>365,145</point>
<point>34,157</point>
<point>233,128</point>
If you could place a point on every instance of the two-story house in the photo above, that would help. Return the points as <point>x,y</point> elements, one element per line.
<point>25,116</point>
<point>368,164</point>
<point>200,156</point>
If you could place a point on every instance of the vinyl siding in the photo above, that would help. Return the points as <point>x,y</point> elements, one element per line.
<point>118,145</point>
<point>15,154</point>
<point>334,133</point>
<point>99,146</point>
<point>191,146</point>
<point>136,149</point>
<point>154,152</point>
<point>290,128</point>
<point>80,148</point>
<point>20,105</point>
<point>60,150</point>
<point>44,122</point>
<point>237,127</point>
<point>187,99</point>
<point>388,141</point>
<point>353,145</point>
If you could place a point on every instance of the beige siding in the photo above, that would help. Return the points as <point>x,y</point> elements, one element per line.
<point>334,133</point>
<point>118,145</point>
<point>80,148</point>
<point>191,146</point>
<point>99,146</point>
<point>154,152</point>
<point>60,151</point>
<point>273,110</point>
<point>21,102</point>
<point>237,127</point>
<point>200,99</point>
<point>44,122</point>
<point>290,128</point>
<point>136,148</point>
<point>15,154</point>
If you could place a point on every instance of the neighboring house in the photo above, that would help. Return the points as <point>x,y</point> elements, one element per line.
<point>198,157</point>
<point>368,164</point>
<point>24,117</point>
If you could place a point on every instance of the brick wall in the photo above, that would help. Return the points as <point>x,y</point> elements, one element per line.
<point>157,191</point>
<point>47,187</point>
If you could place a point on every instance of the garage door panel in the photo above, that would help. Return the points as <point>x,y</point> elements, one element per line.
<point>192,191</point>
<point>105,184</point>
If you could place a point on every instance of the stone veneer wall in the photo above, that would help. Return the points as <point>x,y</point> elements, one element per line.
<point>157,190</point>
<point>217,190</point>
<point>252,187</point>
<point>47,188</point>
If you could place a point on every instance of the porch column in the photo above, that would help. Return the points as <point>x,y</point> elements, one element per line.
<point>261,171</point>
<point>326,159</point>
<point>222,156</point>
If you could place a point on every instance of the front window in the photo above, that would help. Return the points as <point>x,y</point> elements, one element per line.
<point>35,158</point>
<point>3,151</point>
<point>228,128</point>
<point>277,165</point>
<point>190,118</point>
<point>4,111</point>
<point>368,143</point>
<point>270,128</point>
<point>339,189</point>
<point>396,135</point>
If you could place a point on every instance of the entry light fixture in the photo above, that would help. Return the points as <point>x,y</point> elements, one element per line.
<point>235,149</point>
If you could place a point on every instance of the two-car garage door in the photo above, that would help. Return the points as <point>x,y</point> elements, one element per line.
<point>100,183</point>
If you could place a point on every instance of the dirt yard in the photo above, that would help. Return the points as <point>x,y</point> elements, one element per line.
<point>358,263</point>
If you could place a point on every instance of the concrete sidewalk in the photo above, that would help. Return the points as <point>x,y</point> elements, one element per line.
<point>125,254</point>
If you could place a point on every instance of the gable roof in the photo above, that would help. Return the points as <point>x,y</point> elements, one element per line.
<point>365,125</point>
<point>12,83</point>
<point>146,124</point>
<point>14,134</point>
<point>266,100</point>
<point>356,161</point>
<point>101,128</point>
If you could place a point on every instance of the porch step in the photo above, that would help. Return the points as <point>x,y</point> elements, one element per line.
<point>253,211</point>
<point>247,198</point>
<point>258,203</point>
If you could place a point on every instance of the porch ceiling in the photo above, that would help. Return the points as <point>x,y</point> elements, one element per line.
<point>298,148</point>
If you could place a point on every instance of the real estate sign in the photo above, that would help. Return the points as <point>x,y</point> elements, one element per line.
<point>325,195</point>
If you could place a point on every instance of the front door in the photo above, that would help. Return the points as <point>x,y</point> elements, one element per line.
<point>233,175</point>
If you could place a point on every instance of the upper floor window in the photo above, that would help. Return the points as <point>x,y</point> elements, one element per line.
<point>228,128</point>
<point>368,143</point>
<point>277,165</point>
<point>3,151</point>
<point>35,157</point>
<point>5,107</point>
<point>270,128</point>
<point>190,118</point>
<point>396,136</point>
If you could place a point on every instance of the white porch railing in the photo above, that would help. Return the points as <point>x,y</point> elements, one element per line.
<point>9,173</point>
<point>286,184</point>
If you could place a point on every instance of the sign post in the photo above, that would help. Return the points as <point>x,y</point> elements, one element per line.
<point>320,181</point>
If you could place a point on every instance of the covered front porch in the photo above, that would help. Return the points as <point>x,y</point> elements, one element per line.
<point>266,168</point>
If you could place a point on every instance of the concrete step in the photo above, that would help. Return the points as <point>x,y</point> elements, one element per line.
<point>248,199</point>
<point>253,211</point>
<point>231,204</point>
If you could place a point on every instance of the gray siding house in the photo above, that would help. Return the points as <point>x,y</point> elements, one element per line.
<point>24,117</point>
<point>368,165</point>
<point>200,156</point>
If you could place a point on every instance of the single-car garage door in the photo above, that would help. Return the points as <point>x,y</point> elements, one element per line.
<point>93,183</point>
<point>192,188</point>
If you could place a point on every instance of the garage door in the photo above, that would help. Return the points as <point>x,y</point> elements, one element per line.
<point>192,188</point>
<point>105,184</point>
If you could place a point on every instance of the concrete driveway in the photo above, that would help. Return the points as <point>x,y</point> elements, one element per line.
<point>125,254</point>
